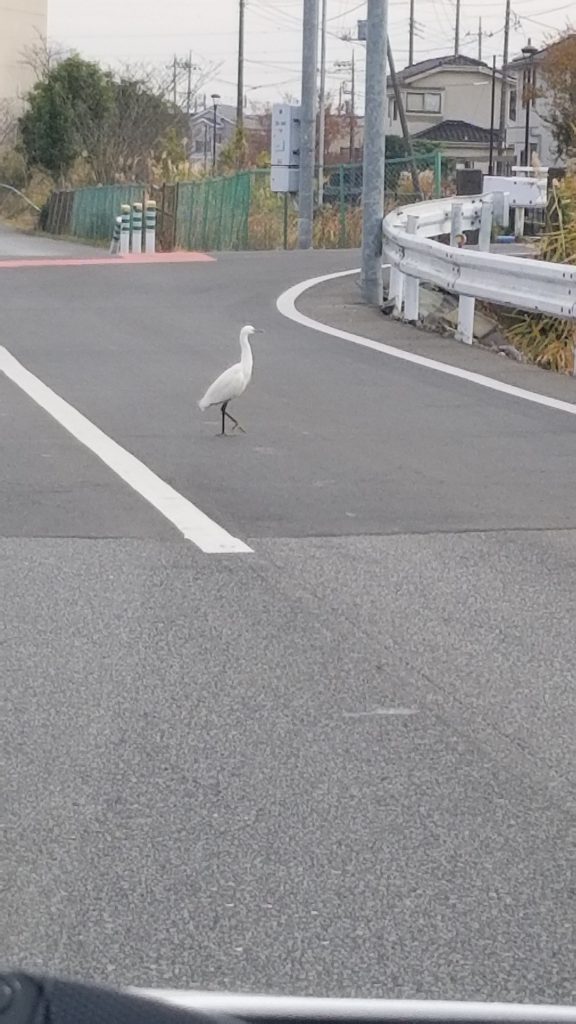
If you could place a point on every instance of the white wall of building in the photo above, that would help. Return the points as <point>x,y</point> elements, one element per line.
<point>452,94</point>
<point>23,24</point>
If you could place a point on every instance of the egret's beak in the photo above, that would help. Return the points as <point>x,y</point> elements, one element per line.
<point>259,330</point>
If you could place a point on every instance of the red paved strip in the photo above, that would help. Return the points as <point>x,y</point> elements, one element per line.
<point>111,261</point>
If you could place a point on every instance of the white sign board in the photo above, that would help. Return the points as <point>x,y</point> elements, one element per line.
<point>284,179</point>
<point>285,148</point>
<point>523,192</point>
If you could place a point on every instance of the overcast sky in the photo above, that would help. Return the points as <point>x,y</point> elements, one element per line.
<point>134,31</point>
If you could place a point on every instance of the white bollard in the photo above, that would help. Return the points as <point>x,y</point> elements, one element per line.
<point>115,243</point>
<point>125,232</point>
<point>137,228</point>
<point>150,226</point>
<point>412,284</point>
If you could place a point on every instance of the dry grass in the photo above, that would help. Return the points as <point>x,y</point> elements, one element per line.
<point>545,340</point>
<point>16,212</point>
<point>332,229</point>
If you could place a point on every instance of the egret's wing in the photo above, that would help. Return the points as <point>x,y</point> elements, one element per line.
<point>227,386</point>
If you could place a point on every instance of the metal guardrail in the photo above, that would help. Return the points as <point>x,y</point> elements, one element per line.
<point>415,256</point>
<point>299,1010</point>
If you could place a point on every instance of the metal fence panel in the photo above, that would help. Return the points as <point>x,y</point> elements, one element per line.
<point>95,208</point>
<point>239,211</point>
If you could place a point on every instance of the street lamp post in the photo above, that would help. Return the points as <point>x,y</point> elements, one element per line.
<point>492,106</point>
<point>529,52</point>
<point>214,97</point>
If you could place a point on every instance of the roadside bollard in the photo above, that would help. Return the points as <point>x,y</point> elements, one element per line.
<point>115,243</point>
<point>150,226</point>
<point>137,228</point>
<point>125,231</point>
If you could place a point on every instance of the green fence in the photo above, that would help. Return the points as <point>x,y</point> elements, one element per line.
<point>94,209</point>
<point>214,213</point>
<point>240,211</point>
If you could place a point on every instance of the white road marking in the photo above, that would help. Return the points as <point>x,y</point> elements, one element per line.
<point>375,712</point>
<point>189,520</point>
<point>286,305</point>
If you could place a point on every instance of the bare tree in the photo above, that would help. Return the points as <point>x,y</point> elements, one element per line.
<point>42,56</point>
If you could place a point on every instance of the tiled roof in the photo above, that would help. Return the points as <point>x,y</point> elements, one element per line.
<point>456,131</point>
<point>451,60</point>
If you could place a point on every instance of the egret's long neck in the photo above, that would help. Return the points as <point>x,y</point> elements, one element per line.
<point>246,358</point>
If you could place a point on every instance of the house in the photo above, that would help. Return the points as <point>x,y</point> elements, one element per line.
<point>202,123</point>
<point>448,101</point>
<point>541,141</point>
<point>24,25</point>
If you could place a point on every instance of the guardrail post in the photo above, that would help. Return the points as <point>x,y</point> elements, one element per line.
<point>485,234</point>
<point>412,284</point>
<point>519,221</point>
<point>396,291</point>
<point>465,326</point>
<point>455,223</point>
<point>466,304</point>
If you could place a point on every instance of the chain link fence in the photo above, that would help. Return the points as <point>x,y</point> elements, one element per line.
<point>240,211</point>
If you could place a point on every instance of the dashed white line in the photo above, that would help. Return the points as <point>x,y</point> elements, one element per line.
<point>192,523</point>
<point>286,305</point>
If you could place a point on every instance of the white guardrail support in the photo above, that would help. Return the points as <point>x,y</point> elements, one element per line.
<point>415,256</point>
<point>412,284</point>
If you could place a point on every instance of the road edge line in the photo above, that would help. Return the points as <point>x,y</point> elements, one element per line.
<point>286,306</point>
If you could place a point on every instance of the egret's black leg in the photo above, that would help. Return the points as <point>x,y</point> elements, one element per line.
<point>235,422</point>
<point>224,404</point>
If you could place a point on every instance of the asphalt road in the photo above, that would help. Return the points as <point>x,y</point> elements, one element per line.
<point>342,764</point>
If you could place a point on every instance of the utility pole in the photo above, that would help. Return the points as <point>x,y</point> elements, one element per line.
<point>240,90</point>
<point>504,87</point>
<point>182,65</point>
<point>457,30</point>
<point>352,144</point>
<point>322,105</point>
<point>479,38</point>
<point>307,124</point>
<point>189,87</point>
<point>411,35</point>
<point>374,143</point>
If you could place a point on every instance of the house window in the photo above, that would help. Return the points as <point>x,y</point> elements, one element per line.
<point>423,102</point>
<point>392,109</point>
<point>512,105</point>
<point>199,145</point>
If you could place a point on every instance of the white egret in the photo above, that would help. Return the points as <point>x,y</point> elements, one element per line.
<point>233,382</point>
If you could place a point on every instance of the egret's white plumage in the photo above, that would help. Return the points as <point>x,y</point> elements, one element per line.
<point>233,382</point>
